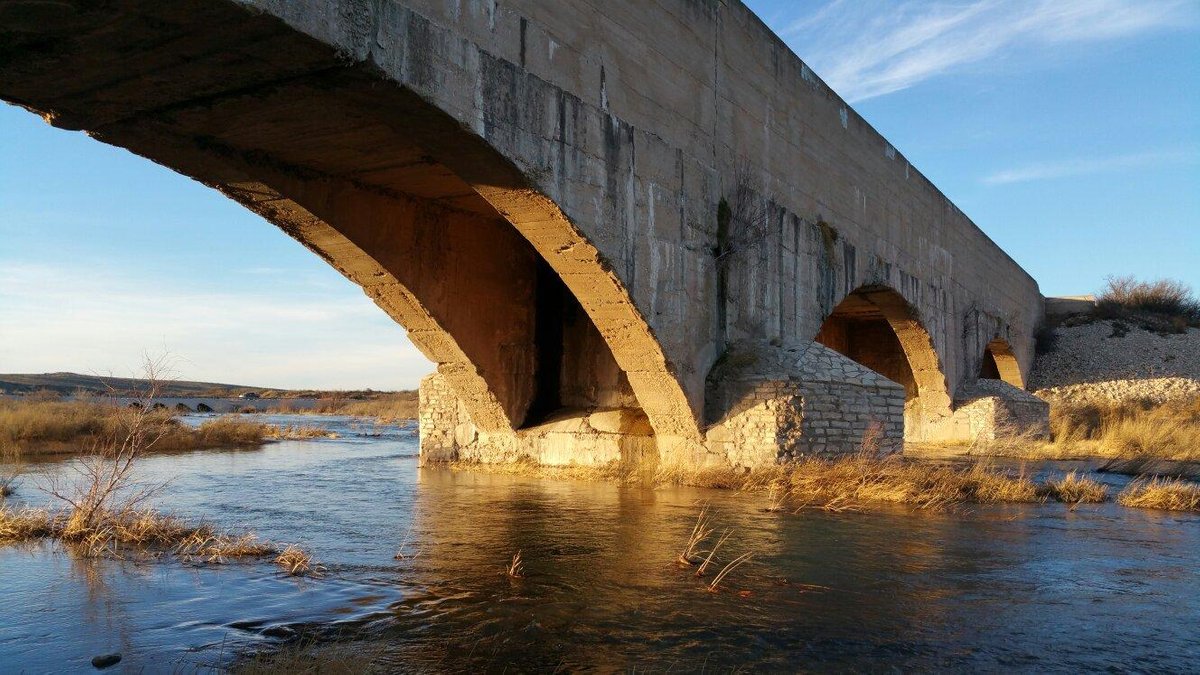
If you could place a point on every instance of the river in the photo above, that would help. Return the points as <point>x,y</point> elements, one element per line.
<point>1030,588</point>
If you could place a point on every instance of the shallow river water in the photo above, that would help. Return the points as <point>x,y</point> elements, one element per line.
<point>1014,588</point>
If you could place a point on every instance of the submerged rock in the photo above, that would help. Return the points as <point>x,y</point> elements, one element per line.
<point>105,660</point>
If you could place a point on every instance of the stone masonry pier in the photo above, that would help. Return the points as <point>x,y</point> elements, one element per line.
<point>632,230</point>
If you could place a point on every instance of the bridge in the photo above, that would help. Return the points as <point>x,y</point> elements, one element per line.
<point>636,230</point>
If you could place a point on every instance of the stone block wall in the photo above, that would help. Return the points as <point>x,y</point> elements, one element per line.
<point>992,409</point>
<point>771,403</point>
<point>581,438</point>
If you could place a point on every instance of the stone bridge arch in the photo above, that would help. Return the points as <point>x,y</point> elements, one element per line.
<point>492,280</point>
<point>875,326</point>
<point>1000,363</point>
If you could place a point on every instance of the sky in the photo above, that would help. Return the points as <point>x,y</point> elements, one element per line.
<point>1069,130</point>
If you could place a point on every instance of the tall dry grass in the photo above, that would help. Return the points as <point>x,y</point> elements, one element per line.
<point>1161,493</point>
<point>1073,488</point>
<point>396,407</point>
<point>31,428</point>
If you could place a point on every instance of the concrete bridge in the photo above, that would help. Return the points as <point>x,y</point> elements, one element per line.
<point>632,229</point>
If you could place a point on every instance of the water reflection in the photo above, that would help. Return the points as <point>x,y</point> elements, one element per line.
<point>1015,587</point>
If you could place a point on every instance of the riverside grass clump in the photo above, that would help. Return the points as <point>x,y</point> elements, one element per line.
<point>32,428</point>
<point>144,532</point>
<point>1075,489</point>
<point>396,407</point>
<point>849,482</point>
<point>1161,493</point>
<point>1137,437</point>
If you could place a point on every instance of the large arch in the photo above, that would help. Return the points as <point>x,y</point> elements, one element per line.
<point>875,326</point>
<point>490,278</point>
<point>1000,363</point>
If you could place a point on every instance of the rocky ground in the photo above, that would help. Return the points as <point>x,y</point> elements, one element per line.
<point>1115,360</point>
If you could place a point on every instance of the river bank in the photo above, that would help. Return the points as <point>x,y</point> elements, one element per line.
<point>35,428</point>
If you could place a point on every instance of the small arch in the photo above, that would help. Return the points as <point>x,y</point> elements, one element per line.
<point>876,327</point>
<point>203,408</point>
<point>182,407</point>
<point>999,363</point>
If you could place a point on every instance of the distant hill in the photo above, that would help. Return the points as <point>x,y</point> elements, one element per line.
<point>71,383</point>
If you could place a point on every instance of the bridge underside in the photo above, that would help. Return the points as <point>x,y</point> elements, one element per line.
<point>543,344</point>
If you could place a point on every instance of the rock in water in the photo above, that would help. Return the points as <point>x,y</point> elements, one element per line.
<point>105,660</point>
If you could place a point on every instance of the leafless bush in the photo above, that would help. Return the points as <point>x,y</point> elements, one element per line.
<point>105,482</point>
<point>1173,299</point>
<point>741,219</point>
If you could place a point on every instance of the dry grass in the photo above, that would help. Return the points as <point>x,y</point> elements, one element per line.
<point>516,568</point>
<point>298,432</point>
<point>229,430</point>
<point>31,427</point>
<point>1138,436</point>
<point>700,533</point>
<point>848,482</point>
<point>1075,489</point>
<point>145,531</point>
<point>1161,493</point>
<point>26,524</point>
<point>395,407</point>
<point>296,562</point>
<point>730,566</point>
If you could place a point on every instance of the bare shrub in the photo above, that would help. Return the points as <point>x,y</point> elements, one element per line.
<point>1123,296</point>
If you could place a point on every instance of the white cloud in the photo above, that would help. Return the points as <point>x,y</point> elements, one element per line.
<point>70,318</point>
<point>868,49</point>
<point>1088,165</point>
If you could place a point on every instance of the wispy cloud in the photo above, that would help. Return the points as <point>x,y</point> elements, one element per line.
<point>64,317</point>
<point>868,49</point>
<point>1087,165</point>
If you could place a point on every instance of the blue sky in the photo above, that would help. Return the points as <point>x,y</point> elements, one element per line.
<point>1069,130</point>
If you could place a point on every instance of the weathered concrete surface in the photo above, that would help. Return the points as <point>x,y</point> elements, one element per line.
<point>572,206</point>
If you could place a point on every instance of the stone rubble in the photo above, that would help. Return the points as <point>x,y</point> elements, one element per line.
<point>1095,363</point>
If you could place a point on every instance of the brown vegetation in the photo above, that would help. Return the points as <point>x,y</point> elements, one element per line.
<point>29,428</point>
<point>1075,489</point>
<point>297,432</point>
<point>1136,437</point>
<point>384,407</point>
<point>838,483</point>
<point>1166,304</point>
<point>1161,493</point>
<point>103,512</point>
<point>32,427</point>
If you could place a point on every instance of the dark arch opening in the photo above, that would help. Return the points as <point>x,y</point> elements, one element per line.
<point>877,328</point>
<point>999,363</point>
